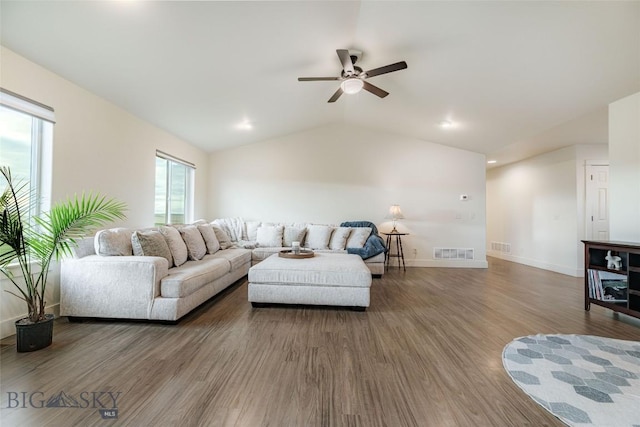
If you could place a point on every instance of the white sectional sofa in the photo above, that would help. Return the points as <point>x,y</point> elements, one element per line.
<point>266,239</point>
<point>106,280</point>
<point>164,273</point>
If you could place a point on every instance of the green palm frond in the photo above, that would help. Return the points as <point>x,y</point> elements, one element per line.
<point>53,234</point>
<point>69,221</point>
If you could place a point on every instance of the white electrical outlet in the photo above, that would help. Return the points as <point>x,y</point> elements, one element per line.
<point>464,197</point>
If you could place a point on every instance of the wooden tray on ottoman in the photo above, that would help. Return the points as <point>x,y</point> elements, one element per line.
<point>289,254</point>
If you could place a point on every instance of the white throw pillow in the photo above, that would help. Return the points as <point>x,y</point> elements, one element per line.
<point>151,243</point>
<point>222,236</point>
<point>176,245</point>
<point>293,234</point>
<point>339,238</point>
<point>269,236</point>
<point>358,237</point>
<point>318,236</point>
<point>210,238</point>
<point>113,242</point>
<point>252,230</point>
<point>192,237</point>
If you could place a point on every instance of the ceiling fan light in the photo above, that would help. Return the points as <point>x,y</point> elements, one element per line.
<point>352,85</point>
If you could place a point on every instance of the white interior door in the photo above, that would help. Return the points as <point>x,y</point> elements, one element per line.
<point>597,202</point>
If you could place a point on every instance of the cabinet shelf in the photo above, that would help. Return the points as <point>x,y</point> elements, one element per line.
<point>622,285</point>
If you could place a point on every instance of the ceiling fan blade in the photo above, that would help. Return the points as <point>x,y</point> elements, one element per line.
<point>316,79</point>
<point>386,69</point>
<point>374,89</point>
<point>336,95</point>
<point>345,59</point>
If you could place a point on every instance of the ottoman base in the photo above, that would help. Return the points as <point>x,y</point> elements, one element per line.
<point>309,295</point>
<point>326,279</point>
<point>267,304</point>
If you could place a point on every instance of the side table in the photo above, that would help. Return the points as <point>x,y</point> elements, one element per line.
<point>399,253</point>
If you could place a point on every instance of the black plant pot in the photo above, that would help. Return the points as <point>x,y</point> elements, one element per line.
<point>34,336</point>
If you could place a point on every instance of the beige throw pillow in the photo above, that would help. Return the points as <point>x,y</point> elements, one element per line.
<point>176,245</point>
<point>210,238</point>
<point>222,236</point>
<point>113,242</point>
<point>358,237</point>
<point>192,237</point>
<point>339,238</point>
<point>293,234</point>
<point>151,243</point>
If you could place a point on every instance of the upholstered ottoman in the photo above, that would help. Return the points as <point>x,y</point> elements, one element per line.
<point>325,279</point>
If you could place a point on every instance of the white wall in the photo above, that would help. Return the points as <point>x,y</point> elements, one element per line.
<point>97,146</point>
<point>537,207</point>
<point>624,173</point>
<point>340,172</point>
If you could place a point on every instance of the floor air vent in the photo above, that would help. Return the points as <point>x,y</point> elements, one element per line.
<point>501,247</point>
<point>452,253</point>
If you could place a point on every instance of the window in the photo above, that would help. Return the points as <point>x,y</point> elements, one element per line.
<point>174,190</point>
<point>26,135</point>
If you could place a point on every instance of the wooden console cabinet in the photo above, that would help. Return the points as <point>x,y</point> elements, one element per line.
<point>608,285</point>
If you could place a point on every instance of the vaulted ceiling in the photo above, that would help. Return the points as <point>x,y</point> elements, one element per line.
<point>514,78</point>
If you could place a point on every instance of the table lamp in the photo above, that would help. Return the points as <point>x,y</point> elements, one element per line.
<point>395,214</point>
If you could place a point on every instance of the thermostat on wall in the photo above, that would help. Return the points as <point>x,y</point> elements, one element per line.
<point>464,197</point>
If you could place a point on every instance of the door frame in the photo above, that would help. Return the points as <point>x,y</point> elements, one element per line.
<point>587,214</point>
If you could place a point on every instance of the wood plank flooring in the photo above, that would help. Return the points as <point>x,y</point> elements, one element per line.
<point>426,353</point>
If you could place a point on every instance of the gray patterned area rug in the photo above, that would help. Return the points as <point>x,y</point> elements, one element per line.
<point>581,379</point>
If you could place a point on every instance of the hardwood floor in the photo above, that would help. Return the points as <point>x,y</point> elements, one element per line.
<point>426,353</point>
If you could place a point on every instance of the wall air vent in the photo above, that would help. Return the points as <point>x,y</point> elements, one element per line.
<point>453,253</point>
<point>501,247</point>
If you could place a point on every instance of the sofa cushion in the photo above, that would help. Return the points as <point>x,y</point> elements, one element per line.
<point>235,256</point>
<point>151,243</point>
<point>222,236</point>
<point>318,236</point>
<point>210,239</point>
<point>196,248</point>
<point>176,245</point>
<point>293,233</point>
<point>339,238</point>
<point>269,236</point>
<point>191,276</point>
<point>358,237</point>
<point>258,254</point>
<point>113,242</point>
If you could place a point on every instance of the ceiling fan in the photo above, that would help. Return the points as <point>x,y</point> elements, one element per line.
<point>352,78</point>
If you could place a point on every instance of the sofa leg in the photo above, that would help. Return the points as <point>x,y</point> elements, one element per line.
<point>74,319</point>
<point>358,308</point>
<point>377,276</point>
<point>258,304</point>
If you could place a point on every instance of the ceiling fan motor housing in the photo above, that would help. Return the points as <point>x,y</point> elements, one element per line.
<point>357,73</point>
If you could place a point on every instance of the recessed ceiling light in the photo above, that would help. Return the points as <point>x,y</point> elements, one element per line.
<point>446,124</point>
<point>244,125</point>
<point>492,161</point>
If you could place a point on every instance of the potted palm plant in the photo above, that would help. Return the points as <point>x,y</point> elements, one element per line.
<point>29,246</point>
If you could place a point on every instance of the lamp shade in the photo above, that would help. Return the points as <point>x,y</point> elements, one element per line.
<point>395,212</point>
<point>352,85</point>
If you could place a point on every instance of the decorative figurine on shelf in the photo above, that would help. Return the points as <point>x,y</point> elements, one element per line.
<point>614,262</point>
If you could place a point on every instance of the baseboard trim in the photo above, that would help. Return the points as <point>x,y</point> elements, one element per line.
<point>8,327</point>
<point>538,264</point>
